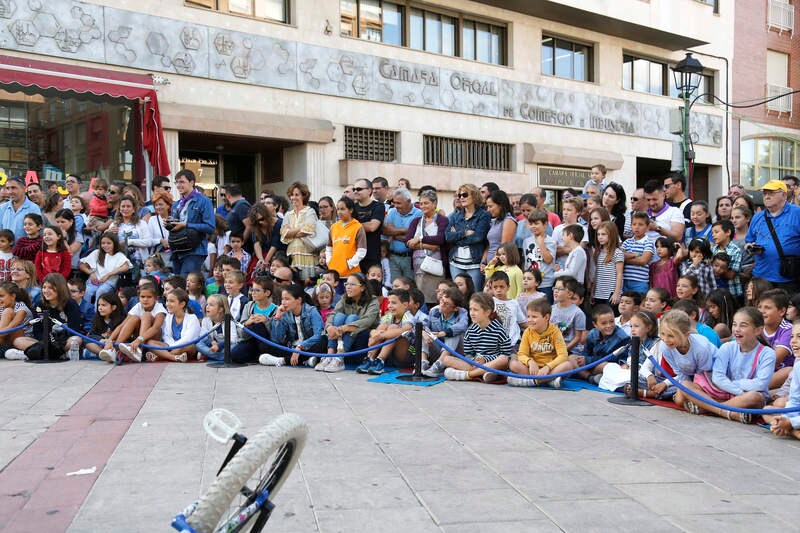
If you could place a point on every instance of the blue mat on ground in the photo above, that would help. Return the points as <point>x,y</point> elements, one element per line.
<point>578,384</point>
<point>391,377</point>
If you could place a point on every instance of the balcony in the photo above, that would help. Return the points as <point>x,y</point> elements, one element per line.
<point>779,105</point>
<point>781,15</point>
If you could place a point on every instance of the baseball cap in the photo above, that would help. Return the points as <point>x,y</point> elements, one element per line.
<point>774,185</point>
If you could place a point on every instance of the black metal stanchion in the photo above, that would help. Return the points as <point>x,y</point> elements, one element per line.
<point>46,325</point>
<point>417,375</point>
<point>633,396</point>
<point>226,330</point>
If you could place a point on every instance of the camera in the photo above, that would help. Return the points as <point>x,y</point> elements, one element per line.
<point>754,248</point>
<point>170,223</point>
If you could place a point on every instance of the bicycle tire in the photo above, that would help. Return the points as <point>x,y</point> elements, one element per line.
<point>285,435</point>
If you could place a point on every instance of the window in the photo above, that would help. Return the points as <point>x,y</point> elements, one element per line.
<point>778,82</point>
<point>370,144</point>
<point>643,75</point>
<point>566,59</point>
<point>767,159</point>
<point>650,76</point>
<point>448,152</point>
<point>265,9</point>
<point>403,23</point>
<point>433,32</point>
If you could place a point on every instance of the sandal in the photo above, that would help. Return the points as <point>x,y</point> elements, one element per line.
<point>745,418</point>
<point>150,356</point>
<point>182,358</point>
<point>691,407</point>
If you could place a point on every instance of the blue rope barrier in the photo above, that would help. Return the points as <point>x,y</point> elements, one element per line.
<point>12,330</point>
<point>733,408</point>
<point>313,354</point>
<point>89,340</point>
<point>526,376</point>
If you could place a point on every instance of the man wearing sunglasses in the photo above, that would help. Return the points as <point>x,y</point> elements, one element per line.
<point>160,184</point>
<point>281,278</point>
<point>371,214</point>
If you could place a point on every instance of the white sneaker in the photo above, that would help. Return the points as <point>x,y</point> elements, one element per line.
<point>136,354</point>
<point>340,346</point>
<point>15,355</point>
<point>336,364</point>
<point>521,382</point>
<point>455,375</point>
<point>312,362</point>
<point>490,377</point>
<point>270,360</point>
<point>555,383</point>
<point>433,371</point>
<point>108,355</point>
<point>323,364</point>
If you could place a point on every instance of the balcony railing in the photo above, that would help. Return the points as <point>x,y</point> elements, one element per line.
<point>781,105</point>
<point>781,15</point>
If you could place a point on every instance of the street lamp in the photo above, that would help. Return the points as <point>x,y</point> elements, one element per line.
<point>687,75</point>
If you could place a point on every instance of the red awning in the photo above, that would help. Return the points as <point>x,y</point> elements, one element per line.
<point>28,73</point>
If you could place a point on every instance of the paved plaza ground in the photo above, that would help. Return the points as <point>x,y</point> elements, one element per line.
<point>455,457</point>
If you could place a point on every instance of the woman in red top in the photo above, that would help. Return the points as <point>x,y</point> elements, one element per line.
<point>54,256</point>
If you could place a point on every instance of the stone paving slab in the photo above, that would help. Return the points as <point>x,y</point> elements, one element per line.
<point>455,457</point>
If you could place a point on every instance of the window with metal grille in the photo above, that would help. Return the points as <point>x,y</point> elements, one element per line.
<point>449,152</point>
<point>369,144</point>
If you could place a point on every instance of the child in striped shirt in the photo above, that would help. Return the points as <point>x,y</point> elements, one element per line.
<point>639,252</point>
<point>485,342</point>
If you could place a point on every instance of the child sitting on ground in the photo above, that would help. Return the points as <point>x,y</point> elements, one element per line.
<point>393,324</point>
<point>485,342</point>
<point>77,291</point>
<point>234,281</point>
<point>777,332</point>
<point>110,314</point>
<point>542,350</point>
<point>213,346</point>
<point>144,319</point>
<point>447,322</point>
<point>604,339</point>
<point>741,372</point>
<point>788,396</point>
<point>180,327</point>
<point>681,353</point>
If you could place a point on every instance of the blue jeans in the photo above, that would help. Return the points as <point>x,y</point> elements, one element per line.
<point>639,286</point>
<point>204,347</point>
<point>351,341</point>
<point>186,264</point>
<point>92,290</point>
<point>547,291</point>
<point>474,273</point>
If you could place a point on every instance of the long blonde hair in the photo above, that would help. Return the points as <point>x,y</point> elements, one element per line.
<point>221,301</point>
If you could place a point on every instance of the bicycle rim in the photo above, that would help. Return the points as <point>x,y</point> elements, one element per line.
<point>263,463</point>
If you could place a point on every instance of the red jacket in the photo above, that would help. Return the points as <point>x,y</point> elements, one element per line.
<point>26,248</point>
<point>47,262</point>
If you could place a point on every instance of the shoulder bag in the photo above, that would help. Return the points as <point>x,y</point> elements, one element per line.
<point>789,264</point>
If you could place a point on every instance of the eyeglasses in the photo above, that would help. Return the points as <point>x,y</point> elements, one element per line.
<point>668,185</point>
<point>74,291</point>
<point>257,289</point>
<point>635,199</point>
<point>463,195</point>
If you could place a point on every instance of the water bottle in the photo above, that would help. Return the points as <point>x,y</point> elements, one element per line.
<point>73,352</point>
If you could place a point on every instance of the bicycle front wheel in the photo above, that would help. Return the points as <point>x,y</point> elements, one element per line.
<point>283,439</point>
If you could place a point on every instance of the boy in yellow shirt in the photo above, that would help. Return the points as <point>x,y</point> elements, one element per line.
<point>542,350</point>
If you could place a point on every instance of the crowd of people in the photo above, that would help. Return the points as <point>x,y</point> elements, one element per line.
<point>497,278</point>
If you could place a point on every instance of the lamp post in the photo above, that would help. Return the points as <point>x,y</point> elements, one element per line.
<point>687,75</point>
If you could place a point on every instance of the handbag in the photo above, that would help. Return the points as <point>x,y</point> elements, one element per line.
<point>184,240</point>
<point>431,265</point>
<point>319,239</point>
<point>789,264</point>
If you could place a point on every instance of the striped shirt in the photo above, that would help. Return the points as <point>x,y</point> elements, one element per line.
<point>638,273</point>
<point>605,279</point>
<point>490,343</point>
<point>735,253</point>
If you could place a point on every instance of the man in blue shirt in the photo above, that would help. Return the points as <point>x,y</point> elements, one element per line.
<point>12,213</point>
<point>785,219</point>
<point>395,227</point>
<point>193,211</point>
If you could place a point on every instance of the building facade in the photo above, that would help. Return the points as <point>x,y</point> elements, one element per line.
<point>766,64</point>
<point>264,92</point>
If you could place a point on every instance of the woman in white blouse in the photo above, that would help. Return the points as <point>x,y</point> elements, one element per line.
<point>159,234</point>
<point>132,232</point>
